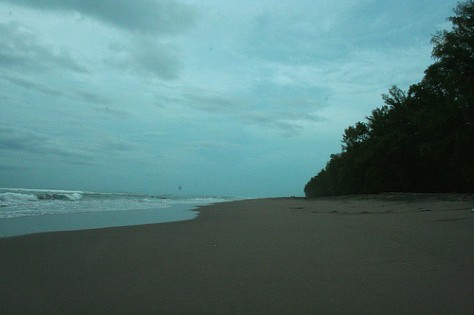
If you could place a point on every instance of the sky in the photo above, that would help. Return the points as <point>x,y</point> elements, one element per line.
<point>197,97</point>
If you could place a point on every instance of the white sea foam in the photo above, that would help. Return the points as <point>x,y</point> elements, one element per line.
<point>25,211</point>
<point>72,197</point>
<point>18,197</point>
<point>11,198</point>
<point>35,202</point>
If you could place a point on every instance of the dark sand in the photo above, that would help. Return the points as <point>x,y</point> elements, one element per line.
<point>386,254</point>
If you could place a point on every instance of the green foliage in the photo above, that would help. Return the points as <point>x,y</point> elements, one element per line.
<point>419,141</point>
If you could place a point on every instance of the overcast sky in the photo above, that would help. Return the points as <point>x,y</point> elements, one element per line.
<point>236,98</point>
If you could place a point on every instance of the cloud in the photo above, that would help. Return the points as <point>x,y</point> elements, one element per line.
<point>19,140</point>
<point>287,116</point>
<point>148,56</point>
<point>146,16</point>
<point>23,147</point>
<point>90,97</point>
<point>12,139</point>
<point>212,102</point>
<point>297,34</point>
<point>9,168</point>
<point>286,123</point>
<point>305,34</point>
<point>112,144</point>
<point>79,94</point>
<point>143,49</point>
<point>108,112</point>
<point>21,52</point>
<point>30,85</point>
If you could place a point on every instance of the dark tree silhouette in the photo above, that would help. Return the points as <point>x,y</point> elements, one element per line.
<point>421,140</point>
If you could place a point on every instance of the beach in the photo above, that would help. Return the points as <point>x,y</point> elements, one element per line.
<point>372,254</point>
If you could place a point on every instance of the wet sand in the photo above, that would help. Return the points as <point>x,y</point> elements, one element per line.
<point>384,254</point>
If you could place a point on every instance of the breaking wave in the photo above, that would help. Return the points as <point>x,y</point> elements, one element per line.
<point>15,197</point>
<point>32,202</point>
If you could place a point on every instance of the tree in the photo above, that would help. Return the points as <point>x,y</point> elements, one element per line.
<point>355,135</point>
<point>453,72</point>
<point>420,141</point>
<point>446,101</point>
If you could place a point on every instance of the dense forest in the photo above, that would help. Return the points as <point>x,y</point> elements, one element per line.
<point>420,140</point>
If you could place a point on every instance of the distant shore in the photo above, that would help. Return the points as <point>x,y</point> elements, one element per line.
<point>380,254</point>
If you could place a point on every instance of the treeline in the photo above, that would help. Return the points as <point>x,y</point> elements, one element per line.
<point>421,140</point>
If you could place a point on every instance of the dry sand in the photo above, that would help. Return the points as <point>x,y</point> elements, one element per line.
<point>385,254</point>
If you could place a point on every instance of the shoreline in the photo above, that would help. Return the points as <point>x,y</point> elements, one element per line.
<point>89,220</point>
<point>256,256</point>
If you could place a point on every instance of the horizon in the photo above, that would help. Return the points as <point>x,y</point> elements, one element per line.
<point>193,97</point>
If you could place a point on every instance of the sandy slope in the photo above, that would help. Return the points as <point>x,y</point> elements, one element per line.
<point>386,254</point>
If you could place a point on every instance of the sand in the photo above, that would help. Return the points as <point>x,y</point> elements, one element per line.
<point>385,254</point>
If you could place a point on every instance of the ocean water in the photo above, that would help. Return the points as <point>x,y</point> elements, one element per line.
<point>26,211</point>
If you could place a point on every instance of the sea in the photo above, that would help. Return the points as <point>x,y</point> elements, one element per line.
<point>27,211</point>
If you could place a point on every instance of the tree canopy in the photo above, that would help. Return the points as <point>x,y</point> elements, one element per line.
<point>421,140</point>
